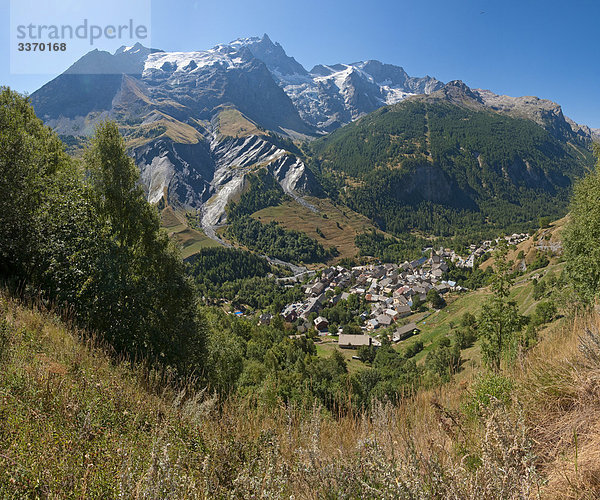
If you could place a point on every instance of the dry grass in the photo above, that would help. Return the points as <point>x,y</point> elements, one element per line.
<point>75,423</point>
<point>339,227</point>
<point>561,394</point>
<point>190,240</point>
<point>233,123</point>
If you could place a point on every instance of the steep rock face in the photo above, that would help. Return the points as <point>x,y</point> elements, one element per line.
<point>331,96</point>
<point>236,157</point>
<point>184,85</point>
<point>181,173</point>
<point>546,113</point>
<point>272,54</point>
<point>167,104</point>
<point>88,86</point>
<point>207,175</point>
<point>199,82</point>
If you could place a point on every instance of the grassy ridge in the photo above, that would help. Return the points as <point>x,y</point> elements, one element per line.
<point>332,226</point>
<point>190,240</point>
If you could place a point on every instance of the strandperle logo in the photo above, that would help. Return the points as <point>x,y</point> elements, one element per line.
<point>84,31</point>
<point>50,37</point>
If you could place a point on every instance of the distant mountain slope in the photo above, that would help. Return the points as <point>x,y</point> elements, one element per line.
<point>449,162</point>
<point>197,123</point>
<point>330,96</point>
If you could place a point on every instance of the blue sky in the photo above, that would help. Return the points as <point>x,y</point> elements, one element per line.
<point>529,47</point>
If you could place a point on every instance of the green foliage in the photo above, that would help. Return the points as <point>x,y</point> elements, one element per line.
<point>270,239</point>
<point>470,278</point>
<point>486,388</point>
<point>444,169</point>
<point>444,360</point>
<point>149,304</point>
<point>544,222</point>
<point>545,312</point>
<point>366,353</point>
<point>90,241</point>
<point>392,377</point>
<point>264,191</point>
<point>539,289</point>
<point>275,241</point>
<point>225,359</point>
<point>31,158</point>
<point>541,260</point>
<point>435,299</point>
<point>215,266</point>
<point>264,361</point>
<point>413,349</point>
<point>373,141</point>
<point>352,329</point>
<point>390,249</point>
<point>581,236</point>
<point>258,293</point>
<point>466,334</point>
<point>241,277</point>
<point>417,304</point>
<point>499,321</point>
<point>345,312</point>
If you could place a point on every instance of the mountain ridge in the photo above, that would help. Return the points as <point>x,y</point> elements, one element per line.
<point>198,122</point>
<point>448,160</point>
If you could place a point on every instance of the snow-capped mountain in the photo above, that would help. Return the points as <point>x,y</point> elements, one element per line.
<point>328,97</point>
<point>253,74</point>
<point>198,122</point>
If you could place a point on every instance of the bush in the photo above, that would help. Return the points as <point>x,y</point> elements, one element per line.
<point>413,349</point>
<point>487,388</point>
<point>544,312</point>
<point>367,353</point>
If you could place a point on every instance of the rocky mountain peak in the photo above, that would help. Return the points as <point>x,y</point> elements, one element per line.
<point>272,54</point>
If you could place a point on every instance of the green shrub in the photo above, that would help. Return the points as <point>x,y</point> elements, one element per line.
<point>487,388</point>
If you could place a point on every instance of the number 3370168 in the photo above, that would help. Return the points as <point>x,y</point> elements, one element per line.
<point>41,47</point>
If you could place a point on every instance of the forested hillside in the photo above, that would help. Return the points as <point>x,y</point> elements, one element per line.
<point>442,168</point>
<point>270,239</point>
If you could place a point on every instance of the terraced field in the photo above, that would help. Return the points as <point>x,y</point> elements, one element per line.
<point>331,225</point>
<point>190,240</point>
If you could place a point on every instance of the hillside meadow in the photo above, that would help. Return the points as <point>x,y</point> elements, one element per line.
<point>78,423</point>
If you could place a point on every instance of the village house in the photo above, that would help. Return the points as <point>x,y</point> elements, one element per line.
<point>401,300</point>
<point>372,324</point>
<point>384,320</point>
<point>316,289</point>
<point>403,332</point>
<point>313,305</point>
<point>353,341</point>
<point>391,313</point>
<point>290,313</point>
<point>321,324</point>
<point>403,310</point>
